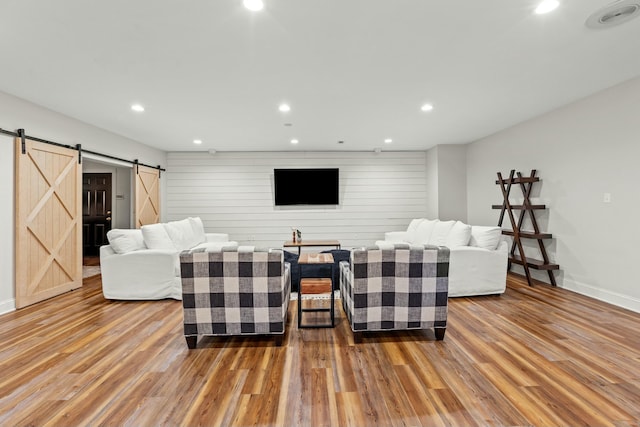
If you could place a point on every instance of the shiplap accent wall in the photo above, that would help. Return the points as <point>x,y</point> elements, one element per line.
<point>233,193</point>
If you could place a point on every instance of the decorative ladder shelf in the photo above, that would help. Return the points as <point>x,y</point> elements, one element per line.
<point>516,231</point>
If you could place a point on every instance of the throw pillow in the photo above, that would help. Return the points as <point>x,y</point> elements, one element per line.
<point>156,237</point>
<point>198,229</point>
<point>485,237</point>
<point>292,259</point>
<point>182,234</point>
<point>459,235</point>
<point>123,241</point>
<point>440,232</point>
<point>413,226</point>
<point>423,232</point>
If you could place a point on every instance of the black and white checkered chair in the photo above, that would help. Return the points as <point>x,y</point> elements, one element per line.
<point>234,293</point>
<point>396,287</point>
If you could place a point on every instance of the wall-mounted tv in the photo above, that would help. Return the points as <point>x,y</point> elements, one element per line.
<point>306,186</point>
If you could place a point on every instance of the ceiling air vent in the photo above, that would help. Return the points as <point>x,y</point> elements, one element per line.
<point>614,14</point>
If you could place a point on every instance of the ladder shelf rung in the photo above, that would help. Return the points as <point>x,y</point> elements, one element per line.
<point>528,234</point>
<point>521,207</point>
<point>524,179</point>
<point>536,264</point>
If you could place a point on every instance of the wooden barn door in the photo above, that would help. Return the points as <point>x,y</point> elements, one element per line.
<point>147,188</point>
<point>48,221</point>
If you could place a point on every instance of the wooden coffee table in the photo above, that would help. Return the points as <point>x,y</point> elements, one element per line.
<point>315,286</point>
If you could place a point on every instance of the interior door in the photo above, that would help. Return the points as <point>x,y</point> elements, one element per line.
<point>48,221</point>
<point>96,211</point>
<point>147,189</point>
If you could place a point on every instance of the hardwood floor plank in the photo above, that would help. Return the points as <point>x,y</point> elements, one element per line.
<point>538,356</point>
<point>484,401</point>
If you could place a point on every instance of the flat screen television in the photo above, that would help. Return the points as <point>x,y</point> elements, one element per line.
<point>306,186</point>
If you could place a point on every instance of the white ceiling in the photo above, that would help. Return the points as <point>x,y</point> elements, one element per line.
<point>352,70</point>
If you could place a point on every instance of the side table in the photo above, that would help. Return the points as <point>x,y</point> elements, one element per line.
<point>318,285</point>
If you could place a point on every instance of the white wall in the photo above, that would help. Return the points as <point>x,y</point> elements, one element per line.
<point>581,151</point>
<point>447,182</point>
<point>7,270</point>
<point>452,182</point>
<point>431,162</point>
<point>40,122</point>
<point>233,193</point>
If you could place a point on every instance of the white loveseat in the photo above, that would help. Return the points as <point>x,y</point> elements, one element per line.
<point>144,264</point>
<point>478,257</point>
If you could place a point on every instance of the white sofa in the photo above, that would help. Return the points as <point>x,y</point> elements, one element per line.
<point>478,259</point>
<point>144,264</point>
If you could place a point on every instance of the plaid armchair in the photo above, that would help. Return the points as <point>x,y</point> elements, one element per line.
<point>234,293</point>
<point>396,287</point>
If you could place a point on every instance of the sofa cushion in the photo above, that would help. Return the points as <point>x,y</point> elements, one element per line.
<point>413,226</point>
<point>156,237</point>
<point>423,232</point>
<point>185,234</point>
<point>459,235</point>
<point>440,232</point>
<point>198,228</point>
<point>485,237</point>
<point>123,241</point>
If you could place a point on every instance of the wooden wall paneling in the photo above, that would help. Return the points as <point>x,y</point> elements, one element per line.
<point>233,193</point>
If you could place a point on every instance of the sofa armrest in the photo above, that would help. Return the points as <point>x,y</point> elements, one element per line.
<point>139,264</point>
<point>144,274</point>
<point>478,271</point>
<point>396,236</point>
<point>216,237</point>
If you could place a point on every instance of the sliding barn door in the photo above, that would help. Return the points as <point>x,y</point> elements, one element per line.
<point>48,222</point>
<point>147,188</point>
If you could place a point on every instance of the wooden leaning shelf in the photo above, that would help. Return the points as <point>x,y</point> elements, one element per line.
<point>525,184</point>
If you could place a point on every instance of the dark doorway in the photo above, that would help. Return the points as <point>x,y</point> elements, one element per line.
<point>96,211</point>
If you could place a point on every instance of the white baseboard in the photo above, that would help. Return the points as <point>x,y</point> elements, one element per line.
<point>624,301</point>
<point>7,306</point>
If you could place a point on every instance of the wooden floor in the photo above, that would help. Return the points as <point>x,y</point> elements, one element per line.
<point>534,356</point>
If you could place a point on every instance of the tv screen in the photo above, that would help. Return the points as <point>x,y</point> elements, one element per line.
<point>306,186</point>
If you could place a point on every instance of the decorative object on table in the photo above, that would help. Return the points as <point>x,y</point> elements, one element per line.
<point>299,234</point>
<point>293,234</point>
<point>525,183</point>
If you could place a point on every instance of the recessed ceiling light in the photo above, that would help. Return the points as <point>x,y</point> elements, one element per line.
<point>614,14</point>
<point>284,108</point>
<point>388,141</point>
<point>137,108</point>
<point>197,141</point>
<point>547,6</point>
<point>254,5</point>
<point>294,141</point>
<point>427,107</point>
